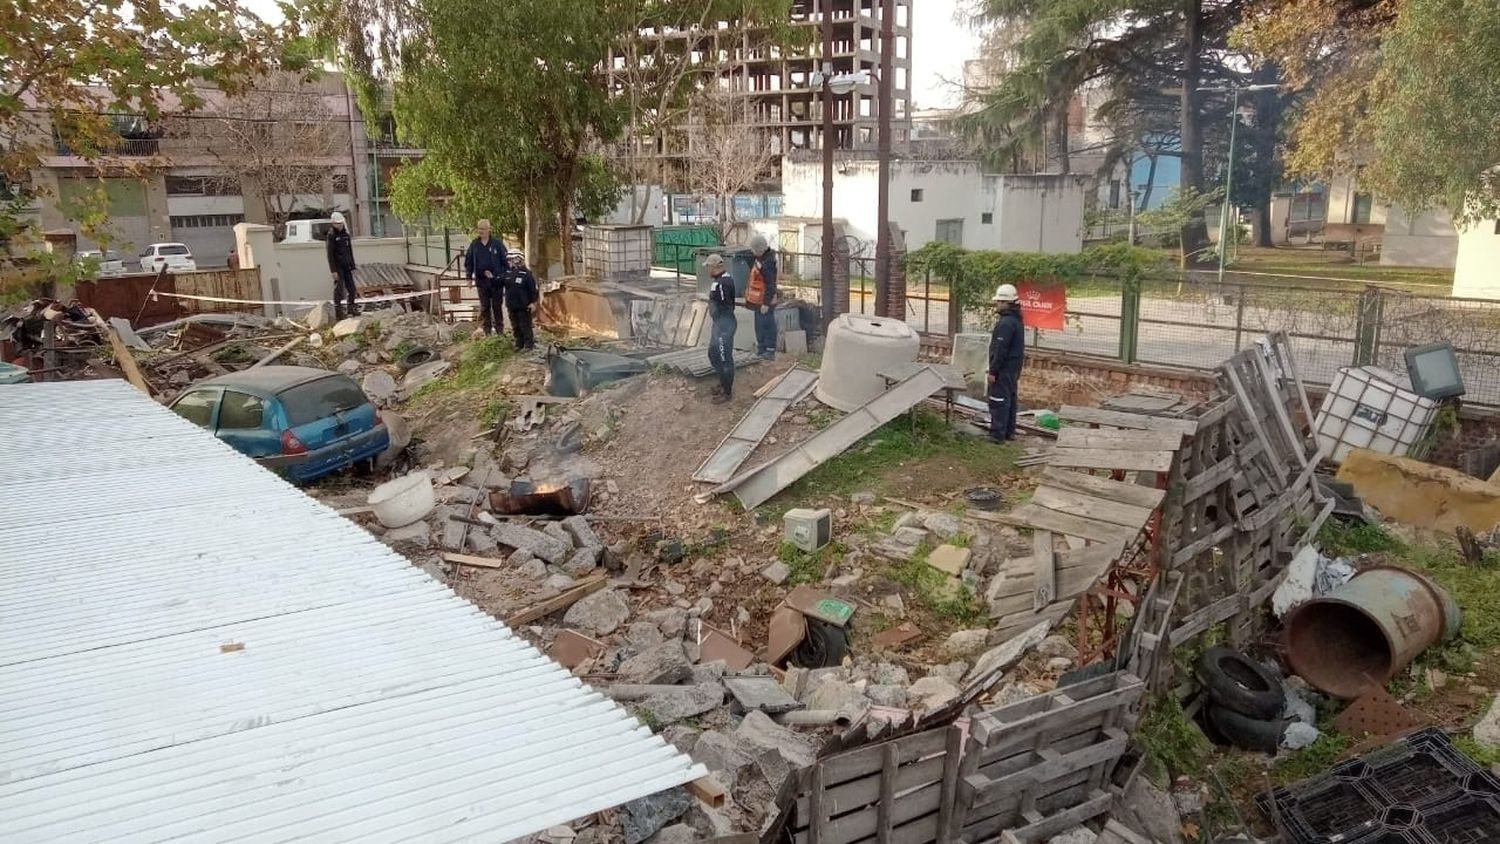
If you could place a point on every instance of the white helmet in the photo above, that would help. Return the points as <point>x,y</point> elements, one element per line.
<point>1006,293</point>
<point>337,217</point>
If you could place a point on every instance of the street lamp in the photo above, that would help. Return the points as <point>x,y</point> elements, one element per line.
<point>1234,120</point>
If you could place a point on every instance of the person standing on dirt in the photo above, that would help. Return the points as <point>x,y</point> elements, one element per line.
<point>521,296</point>
<point>1007,353</point>
<point>722,327</point>
<point>760,294</point>
<point>484,265</point>
<point>341,265</point>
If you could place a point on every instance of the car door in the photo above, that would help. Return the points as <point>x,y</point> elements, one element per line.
<point>245,422</point>
<point>199,406</point>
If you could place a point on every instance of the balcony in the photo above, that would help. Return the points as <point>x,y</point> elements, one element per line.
<point>391,145</point>
<point>118,148</point>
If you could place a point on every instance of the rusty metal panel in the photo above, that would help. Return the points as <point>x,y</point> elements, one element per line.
<point>127,297</point>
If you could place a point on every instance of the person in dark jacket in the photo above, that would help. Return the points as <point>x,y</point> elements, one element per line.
<point>484,264</point>
<point>1007,353</point>
<point>722,324</point>
<point>760,294</point>
<point>521,296</point>
<point>340,248</point>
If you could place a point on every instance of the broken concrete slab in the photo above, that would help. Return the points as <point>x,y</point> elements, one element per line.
<point>932,693</point>
<point>794,342</point>
<point>419,377</point>
<point>672,621</point>
<point>949,559</point>
<point>1001,657</point>
<point>560,582</point>
<point>416,533</point>
<point>953,672</point>
<point>883,695</point>
<point>1055,647</point>
<point>681,702</point>
<point>681,736</point>
<point>945,525</point>
<point>348,327</point>
<point>349,367</point>
<point>379,386</point>
<point>583,561</point>
<point>600,613</point>
<point>555,530</point>
<point>531,567</point>
<point>777,572</point>
<point>966,642</point>
<point>761,694</point>
<point>1487,731</point>
<point>779,752</point>
<point>643,817</point>
<point>1422,494</point>
<point>643,635</point>
<point>724,755</point>
<point>677,833</point>
<point>546,547</point>
<point>832,694</point>
<point>666,663</point>
<point>710,672</point>
<point>582,532</point>
<point>480,542</point>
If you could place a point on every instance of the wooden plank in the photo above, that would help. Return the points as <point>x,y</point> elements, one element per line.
<point>885,808</point>
<point>1088,507</point>
<point>573,595</point>
<point>983,726</point>
<point>990,820</point>
<point>708,791</point>
<point>1013,625</point>
<point>1293,436</point>
<point>1130,421</point>
<point>856,826</point>
<point>1198,547</point>
<point>1017,733</point>
<point>1037,517</point>
<point>1281,344</point>
<point>867,760</point>
<point>1132,494</point>
<point>478,562</point>
<point>865,791</point>
<point>1053,765</point>
<point>1097,804</point>
<point>1044,563</point>
<point>950,814</point>
<point>1118,833</point>
<point>1073,437</point>
<point>1204,482</point>
<point>1113,459</point>
<point>1200,620</point>
<point>817,815</point>
<point>123,357</point>
<point>1251,415</point>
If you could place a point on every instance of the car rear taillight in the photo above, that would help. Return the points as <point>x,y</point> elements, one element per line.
<point>378,420</point>
<point>290,444</point>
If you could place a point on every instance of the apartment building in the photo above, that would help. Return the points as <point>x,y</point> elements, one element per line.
<point>774,85</point>
<point>288,149</point>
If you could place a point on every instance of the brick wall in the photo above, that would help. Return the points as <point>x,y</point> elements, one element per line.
<point>1468,447</point>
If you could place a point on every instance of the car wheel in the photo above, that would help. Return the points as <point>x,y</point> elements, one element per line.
<point>1238,683</point>
<point>1246,732</point>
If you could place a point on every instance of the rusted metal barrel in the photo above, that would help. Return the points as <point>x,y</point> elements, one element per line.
<point>1365,631</point>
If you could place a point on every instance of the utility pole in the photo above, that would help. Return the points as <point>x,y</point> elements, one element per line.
<point>828,165</point>
<point>883,154</point>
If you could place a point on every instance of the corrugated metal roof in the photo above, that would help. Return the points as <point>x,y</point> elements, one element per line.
<point>369,703</point>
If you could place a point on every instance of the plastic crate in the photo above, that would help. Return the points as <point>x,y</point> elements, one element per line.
<point>1360,799</point>
<point>1470,819</point>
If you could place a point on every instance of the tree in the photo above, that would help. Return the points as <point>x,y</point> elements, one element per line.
<point>726,156</point>
<point>281,137</point>
<point>72,66</point>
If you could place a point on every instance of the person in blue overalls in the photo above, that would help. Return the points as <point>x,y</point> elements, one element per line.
<point>1007,353</point>
<point>722,326</point>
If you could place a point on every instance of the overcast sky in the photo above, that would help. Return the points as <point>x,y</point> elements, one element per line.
<point>940,44</point>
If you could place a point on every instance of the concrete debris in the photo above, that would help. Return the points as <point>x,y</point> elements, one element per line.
<point>1002,657</point>
<point>644,817</point>
<point>1299,735</point>
<point>1487,731</point>
<point>966,642</point>
<point>531,567</point>
<point>1422,494</point>
<point>601,613</point>
<point>949,559</point>
<point>832,694</point>
<point>725,756</point>
<point>666,663</point>
<point>779,751</point>
<point>582,533</point>
<point>379,386</point>
<point>681,736</point>
<point>1055,647</point>
<point>1148,809</point>
<point>560,582</point>
<point>540,544</point>
<point>711,672</point>
<point>945,525</point>
<point>351,367</point>
<point>419,377</point>
<point>761,694</point>
<point>1059,664</point>
<point>776,572</point>
<point>555,530</point>
<point>417,533</point>
<point>862,499</point>
<point>883,695</point>
<point>643,635</point>
<point>684,702</point>
<point>953,672</point>
<point>1076,835</point>
<point>932,693</point>
<point>672,621</point>
<point>675,834</point>
<point>583,561</point>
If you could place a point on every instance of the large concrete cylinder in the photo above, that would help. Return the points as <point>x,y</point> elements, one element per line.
<point>1365,631</point>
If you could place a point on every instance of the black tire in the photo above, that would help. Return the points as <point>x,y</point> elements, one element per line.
<point>416,357</point>
<point>1237,683</point>
<point>1248,733</point>
<point>824,646</point>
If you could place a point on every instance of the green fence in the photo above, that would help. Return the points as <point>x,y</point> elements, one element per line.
<point>674,246</point>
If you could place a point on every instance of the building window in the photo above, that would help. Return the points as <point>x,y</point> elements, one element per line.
<point>340,182</point>
<point>1363,202</point>
<point>200,186</point>
<point>1114,193</point>
<point>987,218</point>
<point>206,221</point>
<point>950,231</point>
<point>916,195</point>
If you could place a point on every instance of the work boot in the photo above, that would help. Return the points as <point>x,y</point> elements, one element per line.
<point>721,397</point>
<point>338,314</point>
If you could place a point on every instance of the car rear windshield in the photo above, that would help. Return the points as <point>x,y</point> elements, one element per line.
<point>320,399</point>
<point>174,250</point>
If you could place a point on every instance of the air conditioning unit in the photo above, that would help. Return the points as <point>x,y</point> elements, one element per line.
<point>809,530</point>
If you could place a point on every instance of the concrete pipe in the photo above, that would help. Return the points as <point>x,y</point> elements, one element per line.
<point>1365,631</point>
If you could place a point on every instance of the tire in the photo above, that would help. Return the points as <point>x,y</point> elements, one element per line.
<point>824,646</point>
<point>1236,683</point>
<point>1248,733</point>
<point>416,357</point>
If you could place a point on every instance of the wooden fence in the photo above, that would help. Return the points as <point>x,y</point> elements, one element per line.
<point>894,792</point>
<point>130,296</point>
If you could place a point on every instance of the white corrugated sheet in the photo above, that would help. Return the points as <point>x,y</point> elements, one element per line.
<point>192,649</point>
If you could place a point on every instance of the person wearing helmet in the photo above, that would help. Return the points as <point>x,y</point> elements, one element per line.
<point>760,294</point>
<point>521,296</point>
<point>340,248</point>
<point>1007,352</point>
<point>722,327</point>
<point>484,265</point>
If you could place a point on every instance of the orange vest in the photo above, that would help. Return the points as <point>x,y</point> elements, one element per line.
<point>755,291</point>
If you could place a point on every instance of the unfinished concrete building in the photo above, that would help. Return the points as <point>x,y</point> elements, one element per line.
<point>770,87</point>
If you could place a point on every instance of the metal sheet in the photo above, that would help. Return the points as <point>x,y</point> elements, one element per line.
<point>756,486</point>
<point>191,648</point>
<point>754,425</point>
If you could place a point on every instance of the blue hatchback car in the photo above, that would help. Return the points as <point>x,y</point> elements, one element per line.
<point>303,423</point>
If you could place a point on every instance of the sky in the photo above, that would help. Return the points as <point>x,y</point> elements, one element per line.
<point>940,45</point>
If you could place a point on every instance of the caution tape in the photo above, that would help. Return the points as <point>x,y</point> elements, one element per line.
<point>389,297</point>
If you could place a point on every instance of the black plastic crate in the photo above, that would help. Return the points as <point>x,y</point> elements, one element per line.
<point>1471,819</point>
<point>1381,793</point>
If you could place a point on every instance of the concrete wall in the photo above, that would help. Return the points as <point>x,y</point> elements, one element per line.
<point>299,271</point>
<point>1031,213</point>
<point>656,202</point>
<point>1423,240</point>
<point>1476,273</point>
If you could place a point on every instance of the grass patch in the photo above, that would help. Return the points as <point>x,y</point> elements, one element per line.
<point>493,412</point>
<point>937,592</point>
<point>480,363</point>
<point>402,349</point>
<point>1312,760</point>
<point>1340,540</point>
<point>865,464</point>
<point>811,360</point>
<point>233,354</point>
<point>1173,744</point>
<point>805,567</point>
<point>1484,756</point>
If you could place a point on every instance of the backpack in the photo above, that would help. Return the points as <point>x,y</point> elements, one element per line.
<point>755,291</point>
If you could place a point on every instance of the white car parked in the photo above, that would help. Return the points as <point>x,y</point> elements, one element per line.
<point>174,256</point>
<point>110,263</point>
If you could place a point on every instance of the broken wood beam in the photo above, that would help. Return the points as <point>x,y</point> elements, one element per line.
<point>1045,579</point>
<point>568,598</point>
<point>708,791</point>
<point>280,350</point>
<point>478,562</point>
<point>123,356</point>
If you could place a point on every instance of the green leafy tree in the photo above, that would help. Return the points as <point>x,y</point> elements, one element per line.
<point>73,67</point>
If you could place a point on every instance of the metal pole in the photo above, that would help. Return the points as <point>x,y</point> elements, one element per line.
<point>1130,229</point>
<point>883,199</point>
<point>827,280</point>
<point>1234,119</point>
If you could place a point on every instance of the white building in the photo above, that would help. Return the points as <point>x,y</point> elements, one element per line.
<point>1427,239</point>
<point>952,201</point>
<point>1477,271</point>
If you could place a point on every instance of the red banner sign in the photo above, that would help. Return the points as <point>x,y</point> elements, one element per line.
<point>1044,304</point>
